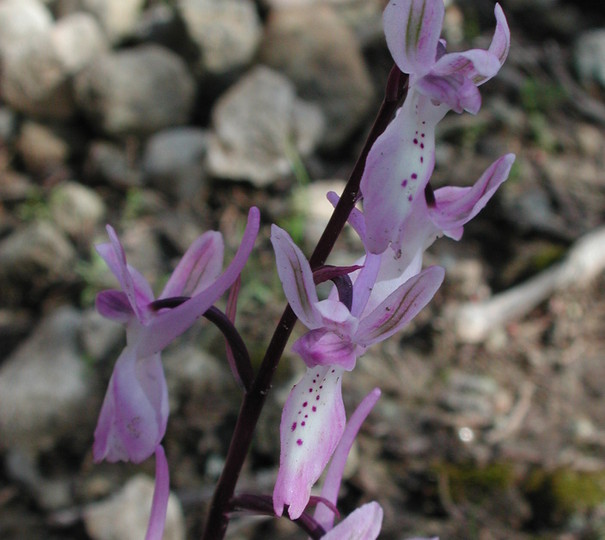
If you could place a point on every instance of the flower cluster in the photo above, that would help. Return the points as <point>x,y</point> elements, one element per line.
<point>371,300</point>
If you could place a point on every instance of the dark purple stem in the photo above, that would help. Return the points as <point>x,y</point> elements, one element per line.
<point>339,275</point>
<point>241,357</point>
<point>234,340</point>
<point>329,272</point>
<point>218,518</point>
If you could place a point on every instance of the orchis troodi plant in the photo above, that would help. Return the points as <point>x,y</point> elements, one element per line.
<point>382,290</point>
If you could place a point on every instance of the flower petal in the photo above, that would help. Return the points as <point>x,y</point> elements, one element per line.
<point>114,305</point>
<point>296,277</point>
<point>472,64</point>
<point>362,524</point>
<point>133,283</point>
<point>200,266</point>
<point>500,44</point>
<point>395,270</point>
<point>398,168</point>
<point>364,283</point>
<point>170,324</point>
<point>412,29</point>
<point>133,417</point>
<point>456,206</point>
<point>457,92</point>
<point>312,423</point>
<point>400,307</point>
<point>355,217</point>
<point>161,493</point>
<point>323,347</point>
<point>479,65</point>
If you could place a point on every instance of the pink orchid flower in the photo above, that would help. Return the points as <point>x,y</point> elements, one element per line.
<point>133,417</point>
<point>402,160</point>
<point>313,418</point>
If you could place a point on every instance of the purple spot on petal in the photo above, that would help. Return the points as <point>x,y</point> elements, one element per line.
<point>305,404</point>
<point>299,442</point>
<point>410,198</point>
<point>404,183</point>
<point>293,426</point>
<point>421,159</point>
<point>421,145</point>
<point>314,408</point>
<point>414,176</point>
<point>415,141</point>
<point>317,398</point>
<point>303,423</point>
<point>310,390</point>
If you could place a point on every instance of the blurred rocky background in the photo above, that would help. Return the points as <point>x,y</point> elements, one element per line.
<point>168,118</point>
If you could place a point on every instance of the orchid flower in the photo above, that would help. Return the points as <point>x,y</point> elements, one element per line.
<point>400,163</point>
<point>313,418</point>
<point>135,410</point>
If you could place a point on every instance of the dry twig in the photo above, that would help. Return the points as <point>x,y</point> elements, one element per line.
<point>586,259</point>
